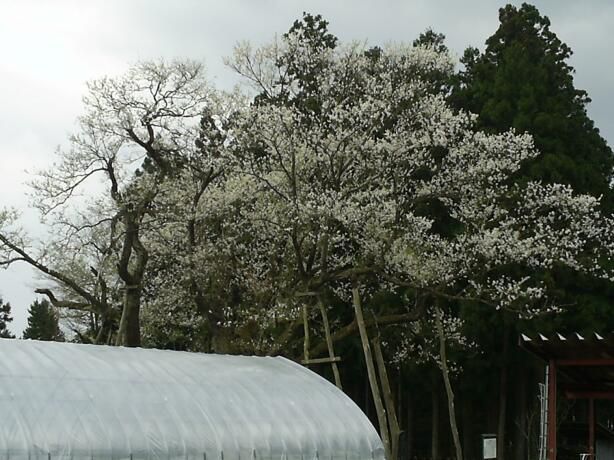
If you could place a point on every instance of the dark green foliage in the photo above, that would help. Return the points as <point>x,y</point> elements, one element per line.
<point>438,82</point>
<point>5,318</point>
<point>431,38</point>
<point>312,37</point>
<point>523,81</point>
<point>43,323</point>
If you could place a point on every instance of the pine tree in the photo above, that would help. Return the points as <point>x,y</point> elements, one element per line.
<point>43,323</point>
<point>5,318</point>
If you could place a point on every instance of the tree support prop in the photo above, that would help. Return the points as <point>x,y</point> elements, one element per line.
<point>448,386</point>
<point>329,344</point>
<point>333,360</point>
<point>306,333</point>
<point>395,430</point>
<point>377,398</point>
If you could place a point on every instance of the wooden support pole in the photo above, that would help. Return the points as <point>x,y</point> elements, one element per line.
<point>306,345</point>
<point>591,429</point>
<point>443,361</point>
<point>377,398</point>
<point>334,359</point>
<point>329,344</point>
<point>395,430</point>
<point>551,450</point>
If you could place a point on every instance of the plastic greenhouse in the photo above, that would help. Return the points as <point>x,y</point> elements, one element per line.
<point>71,401</point>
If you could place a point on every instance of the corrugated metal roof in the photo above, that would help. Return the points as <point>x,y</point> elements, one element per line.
<point>569,346</point>
<point>585,361</point>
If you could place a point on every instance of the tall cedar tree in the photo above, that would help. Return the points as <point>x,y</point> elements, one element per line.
<point>523,81</point>
<point>5,318</point>
<point>43,323</point>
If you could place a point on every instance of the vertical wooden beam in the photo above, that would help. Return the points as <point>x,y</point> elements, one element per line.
<point>306,344</point>
<point>393,423</point>
<point>551,410</point>
<point>443,363</point>
<point>375,391</point>
<point>591,428</point>
<point>329,343</point>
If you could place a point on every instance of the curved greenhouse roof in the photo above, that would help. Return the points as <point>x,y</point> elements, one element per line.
<point>71,401</point>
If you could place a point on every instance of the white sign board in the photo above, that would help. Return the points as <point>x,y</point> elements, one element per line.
<point>489,447</point>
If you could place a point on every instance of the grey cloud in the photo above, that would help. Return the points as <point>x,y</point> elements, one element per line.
<point>51,48</point>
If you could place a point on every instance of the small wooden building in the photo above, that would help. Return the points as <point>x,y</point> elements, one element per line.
<point>581,368</point>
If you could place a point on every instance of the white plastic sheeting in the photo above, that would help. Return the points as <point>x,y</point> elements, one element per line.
<point>70,401</point>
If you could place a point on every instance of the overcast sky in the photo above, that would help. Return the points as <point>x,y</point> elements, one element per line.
<point>49,49</point>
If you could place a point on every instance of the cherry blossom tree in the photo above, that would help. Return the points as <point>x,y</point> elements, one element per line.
<point>377,182</point>
<point>207,272</point>
<point>222,221</point>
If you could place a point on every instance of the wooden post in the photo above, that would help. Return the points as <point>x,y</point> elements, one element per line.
<point>551,410</point>
<point>446,380</point>
<point>393,423</point>
<point>306,329</point>
<point>377,398</point>
<point>591,429</point>
<point>329,343</point>
<point>334,359</point>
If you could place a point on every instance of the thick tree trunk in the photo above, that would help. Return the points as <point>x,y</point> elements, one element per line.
<point>129,334</point>
<point>377,398</point>
<point>446,380</point>
<point>393,423</point>
<point>131,269</point>
<point>105,331</point>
